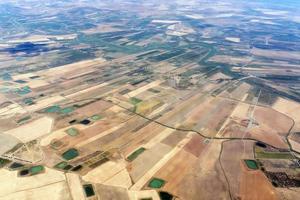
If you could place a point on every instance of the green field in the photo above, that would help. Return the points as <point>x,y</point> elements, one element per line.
<point>135,154</point>
<point>89,190</point>
<point>3,162</point>
<point>58,109</point>
<point>251,164</point>
<point>61,165</point>
<point>15,166</point>
<point>53,109</point>
<point>23,119</point>
<point>28,101</point>
<point>36,169</point>
<point>96,117</point>
<point>72,132</point>
<point>156,183</point>
<point>67,110</point>
<point>134,100</point>
<point>153,90</point>
<point>274,155</point>
<point>70,154</point>
<point>24,90</point>
<point>260,153</point>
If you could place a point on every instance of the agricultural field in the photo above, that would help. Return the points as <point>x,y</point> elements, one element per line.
<point>149,100</point>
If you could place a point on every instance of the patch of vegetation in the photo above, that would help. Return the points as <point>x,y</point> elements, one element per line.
<point>89,190</point>
<point>134,100</point>
<point>23,119</point>
<point>96,117</point>
<point>15,166</point>
<point>61,165</point>
<point>147,106</point>
<point>3,162</point>
<point>251,164</point>
<point>28,101</point>
<point>153,90</point>
<point>262,154</point>
<point>67,110</point>
<point>36,169</point>
<point>135,154</point>
<point>72,132</point>
<point>156,183</point>
<point>23,90</point>
<point>53,109</point>
<point>274,155</point>
<point>70,154</point>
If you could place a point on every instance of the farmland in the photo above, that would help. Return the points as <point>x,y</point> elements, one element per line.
<point>149,100</point>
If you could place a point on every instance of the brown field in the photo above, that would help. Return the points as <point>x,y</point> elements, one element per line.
<point>195,146</point>
<point>111,193</point>
<point>206,180</point>
<point>242,180</point>
<point>187,176</point>
<point>146,160</point>
<point>273,119</point>
<point>175,170</point>
<point>255,185</point>
<point>93,108</point>
<point>174,138</point>
<point>145,136</point>
<point>289,108</point>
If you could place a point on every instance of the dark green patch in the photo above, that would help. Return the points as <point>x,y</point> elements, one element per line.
<point>135,154</point>
<point>67,110</point>
<point>23,90</point>
<point>28,101</point>
<point>20,81</point>
<point>24,119</point>
<point>89,190</point>
<point>134,100</point>
<point>61,165</point>
<point>153,90</point>
<point>15,166</point>
<point>70,154</point>
<point>68,167</point>
<point>36,169</point>
<point>251,164</point>
<point>156,183</point>
<point>53,109</point>
<point>3,162</point>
